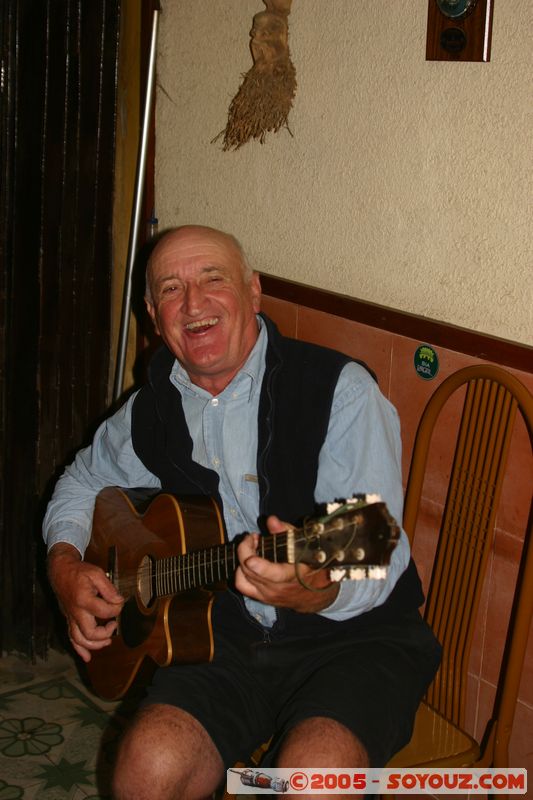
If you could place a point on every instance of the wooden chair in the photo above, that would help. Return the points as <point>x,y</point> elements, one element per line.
<point>492,399</point>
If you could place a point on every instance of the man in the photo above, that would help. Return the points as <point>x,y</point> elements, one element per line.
<point>268,426</point>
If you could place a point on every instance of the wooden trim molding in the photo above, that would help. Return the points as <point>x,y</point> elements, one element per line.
<point>480,345</point>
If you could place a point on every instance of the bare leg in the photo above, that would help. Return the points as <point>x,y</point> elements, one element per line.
<point>321,742</point>
<point>166,755</point>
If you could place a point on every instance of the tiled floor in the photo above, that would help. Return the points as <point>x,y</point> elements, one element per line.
<point>57,740</point>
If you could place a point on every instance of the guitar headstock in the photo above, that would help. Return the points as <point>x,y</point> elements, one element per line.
<point>354,539</point>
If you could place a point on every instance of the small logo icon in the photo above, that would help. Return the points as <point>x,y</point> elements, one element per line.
<point>251,777</point>
<point>426,362</point>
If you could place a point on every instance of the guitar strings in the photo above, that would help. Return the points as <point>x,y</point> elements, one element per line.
<point>188,570</point>
<point>183,571</point>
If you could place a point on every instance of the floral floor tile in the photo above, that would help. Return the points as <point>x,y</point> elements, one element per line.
<point>57,742</point>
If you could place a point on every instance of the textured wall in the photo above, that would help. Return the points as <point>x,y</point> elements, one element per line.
<point>405,183</point>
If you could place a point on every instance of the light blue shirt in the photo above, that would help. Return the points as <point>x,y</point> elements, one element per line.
<point>361,454</point>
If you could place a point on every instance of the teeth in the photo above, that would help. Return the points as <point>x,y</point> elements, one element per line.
<point>203,323</point>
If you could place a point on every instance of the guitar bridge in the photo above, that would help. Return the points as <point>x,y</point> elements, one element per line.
<point>110,574</point>
<point>111,565</point>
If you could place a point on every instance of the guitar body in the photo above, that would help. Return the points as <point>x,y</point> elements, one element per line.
<point>166,556</point>
<point>152,630</point>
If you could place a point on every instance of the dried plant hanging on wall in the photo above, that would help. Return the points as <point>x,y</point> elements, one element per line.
<point>265,96</point>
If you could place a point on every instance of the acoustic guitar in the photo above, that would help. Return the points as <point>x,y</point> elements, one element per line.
<point>168,556</point>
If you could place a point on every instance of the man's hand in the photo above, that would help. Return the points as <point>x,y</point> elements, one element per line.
<point>277,584</point>
<point>85,595</point>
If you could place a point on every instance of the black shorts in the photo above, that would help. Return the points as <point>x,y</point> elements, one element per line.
<point>371,680</point>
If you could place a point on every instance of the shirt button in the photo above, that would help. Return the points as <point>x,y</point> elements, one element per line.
<point>215,461</point>
<point>233,512</point>
<point>214,401</point>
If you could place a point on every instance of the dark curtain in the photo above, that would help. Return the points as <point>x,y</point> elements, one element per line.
<point>58,108</point>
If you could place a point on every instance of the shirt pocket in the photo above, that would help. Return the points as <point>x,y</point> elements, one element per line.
<point>249,488</point>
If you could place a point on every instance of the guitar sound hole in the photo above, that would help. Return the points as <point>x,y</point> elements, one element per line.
<point>145,582</point>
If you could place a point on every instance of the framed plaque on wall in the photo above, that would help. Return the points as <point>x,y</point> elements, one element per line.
<point>459,30</point>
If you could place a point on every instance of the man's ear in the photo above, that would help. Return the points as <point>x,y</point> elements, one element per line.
<point>255,291</point>
<point>151,311</point>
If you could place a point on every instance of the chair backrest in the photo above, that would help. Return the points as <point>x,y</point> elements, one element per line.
<point>492,398</point>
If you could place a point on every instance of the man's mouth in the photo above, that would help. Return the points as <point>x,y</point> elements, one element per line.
<point>201,325</point>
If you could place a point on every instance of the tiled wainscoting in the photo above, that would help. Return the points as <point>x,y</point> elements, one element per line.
<point>391,356</point>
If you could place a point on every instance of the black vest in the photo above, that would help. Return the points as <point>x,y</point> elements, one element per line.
<point>294,409</point>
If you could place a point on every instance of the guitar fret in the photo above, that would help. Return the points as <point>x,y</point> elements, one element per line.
<point>182,568</point>
<point>202,567</point>
<point>170,577</point>
<point>183,573</point>
<point>176,573</point>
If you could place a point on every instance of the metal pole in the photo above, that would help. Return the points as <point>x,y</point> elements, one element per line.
<point>136,213</point>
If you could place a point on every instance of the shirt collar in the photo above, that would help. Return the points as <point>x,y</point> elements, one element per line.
<point>251,372</point>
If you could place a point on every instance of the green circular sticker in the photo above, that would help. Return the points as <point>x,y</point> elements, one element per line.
<point>426,362</point>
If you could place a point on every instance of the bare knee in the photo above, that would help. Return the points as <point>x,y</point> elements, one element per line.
<point>166,754</point>
<point>322,742</point>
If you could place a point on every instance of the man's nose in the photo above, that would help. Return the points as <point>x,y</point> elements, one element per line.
<point>193,299</point>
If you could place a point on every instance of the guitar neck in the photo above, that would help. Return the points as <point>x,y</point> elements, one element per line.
<point>199,568</point>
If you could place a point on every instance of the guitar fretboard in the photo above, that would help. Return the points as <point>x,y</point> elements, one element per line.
<point>205,567</point>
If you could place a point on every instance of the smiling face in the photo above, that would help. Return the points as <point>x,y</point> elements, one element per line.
<point>202,304</point>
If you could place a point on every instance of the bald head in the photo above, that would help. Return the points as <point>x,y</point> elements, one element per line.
<point>203,299</point>
<point>176,241</point>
